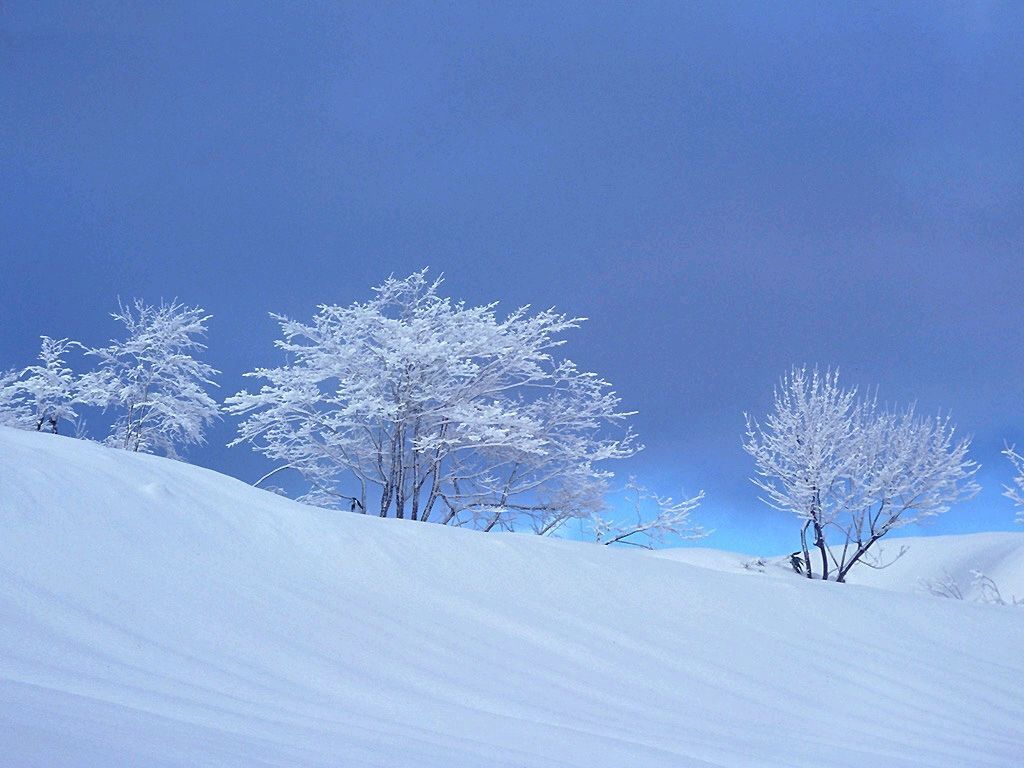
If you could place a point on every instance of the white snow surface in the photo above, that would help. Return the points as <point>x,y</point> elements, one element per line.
<point>154,613</point>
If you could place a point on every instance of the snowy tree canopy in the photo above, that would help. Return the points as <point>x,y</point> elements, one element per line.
<point>433,410</point>
<point>152,380</point>
<point>1015,492</point>
<point>50,387</point>
<point>14,407</point>
<point>40,396</point>
<point>851,471</point>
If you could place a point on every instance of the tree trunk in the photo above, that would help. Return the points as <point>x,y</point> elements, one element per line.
<point>861,551</point>
<point>819,534</point>
<point>819,542</point>
<point>808,571</point>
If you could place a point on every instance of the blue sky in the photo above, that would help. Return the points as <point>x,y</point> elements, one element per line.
<point>724,189</point>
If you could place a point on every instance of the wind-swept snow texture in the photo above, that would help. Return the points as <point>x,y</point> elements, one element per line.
<point>157,614</point>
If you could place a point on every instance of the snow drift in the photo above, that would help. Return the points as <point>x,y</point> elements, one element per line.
<point>158,614</point>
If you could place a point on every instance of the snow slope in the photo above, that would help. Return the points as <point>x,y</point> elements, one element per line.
<point>927,563</point>
<point>931,560</point>
<point>157,614</point>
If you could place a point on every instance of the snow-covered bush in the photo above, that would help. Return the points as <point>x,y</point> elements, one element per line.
<point>989,591</point>
<point>985,589</point>
<point>425,408</point>
<point>944,586</point>
<point>758,564</point>
<point>152,381</point>
<point>851,471</point>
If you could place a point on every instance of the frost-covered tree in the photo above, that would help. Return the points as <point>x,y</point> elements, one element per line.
<point>50,388</point>
<point>852,471</point>
<point>425,408</point>
<point>1015,492</point>
<point>152,380</point>
<point>802,452</point>
<point>14,408</point>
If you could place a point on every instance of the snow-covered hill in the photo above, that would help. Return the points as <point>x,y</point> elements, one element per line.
<point>157,614</point>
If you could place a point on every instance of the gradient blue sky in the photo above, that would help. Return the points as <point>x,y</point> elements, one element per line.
<point>725,189</point>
